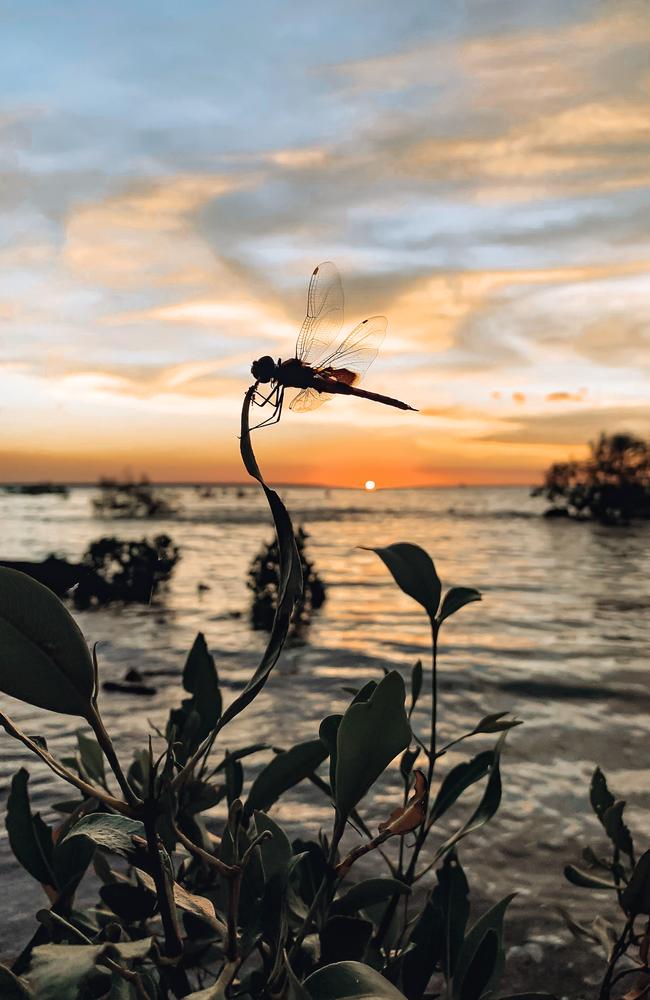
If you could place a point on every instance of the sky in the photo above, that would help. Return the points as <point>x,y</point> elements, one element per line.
<point>171,173</point>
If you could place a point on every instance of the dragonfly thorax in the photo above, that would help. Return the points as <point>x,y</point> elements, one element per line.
<point>264,369</point>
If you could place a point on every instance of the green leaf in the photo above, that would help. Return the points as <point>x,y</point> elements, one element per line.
<point>44,659</point>
<point>198,715</point>
<point>495,723</point>
<point>70,861</point>
<point>275,852</point>
<point>283,772</point>
<point>475,956</point>
<point>234,774</point>
<point>452,896</point>
<point>458,780</point>
<point>486,808</point>
<point>616,829</point>
<point>455,599</point>
<point>368,893</point>
<point>13,988</point>
<point>414,573</point>
<point>328,732</point>
<point>481,967</point>
<point>600,796</point>
<point>635,897</point>
<point>91,756</point>
<point>29,837</point>
<point>113,833</point>
<point>370,735</point>
<point>577,876</point>
<point>57,971</point>
<point>350,981</point>
<point>364,692</point>
<point>416,685</point>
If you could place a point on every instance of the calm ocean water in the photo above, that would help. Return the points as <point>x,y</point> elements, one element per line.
<point>561,639</point>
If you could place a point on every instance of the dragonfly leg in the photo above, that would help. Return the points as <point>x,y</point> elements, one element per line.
<point>277,410</point>
<point>260,400</point>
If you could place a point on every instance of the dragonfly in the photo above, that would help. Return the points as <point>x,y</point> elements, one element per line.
<point>322,368</point>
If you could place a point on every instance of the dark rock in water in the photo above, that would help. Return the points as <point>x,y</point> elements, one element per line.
<point>549,690</point>
<point>39,489</point>
<point>57,575</point>
<point>125,688</point>
<point>133,676</point>
<point>557,512</point>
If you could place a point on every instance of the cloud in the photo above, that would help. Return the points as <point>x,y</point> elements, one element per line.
<point>144,236</point>
<point>562,396</point>
<point>575,427</point>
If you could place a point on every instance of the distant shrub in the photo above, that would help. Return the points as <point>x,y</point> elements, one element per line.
<point>125,570</point>
<point>611,486</point>
<point>263,581</point>
<point>130,500</point>
<point>619,871</point>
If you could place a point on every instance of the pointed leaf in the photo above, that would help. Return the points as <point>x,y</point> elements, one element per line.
<point>113,833</point>
<point>474,956</point>
<point>486,808</point>
<point>455,599</point>
<point>458,780</point>
<point>414,573</point>
<point>495,723</point>
<point>91,757</point>
<point>198,715</point>
<point>635,898</point>
<point>577,876</point>
<point>481,967</point>
<point>350,981</point>
<point>416,685</point>
<point>600,795</point>
<point>44,659</point>
<point>370,735</point>
<point>30,838</point>
<point>368,893</point>
<point>283,772</point>
<point>616,829</point>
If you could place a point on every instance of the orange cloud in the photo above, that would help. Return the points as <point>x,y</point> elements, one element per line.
<point>566,397</point>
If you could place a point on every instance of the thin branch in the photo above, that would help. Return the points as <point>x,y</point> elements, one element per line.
<point>105,742</point>
<point>227,871</point>
<point>62,772</point>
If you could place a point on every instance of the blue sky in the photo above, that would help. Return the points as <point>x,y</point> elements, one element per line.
<point>171,174</point>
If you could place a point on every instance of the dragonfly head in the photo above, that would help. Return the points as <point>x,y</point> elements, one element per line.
<point>263,370</point>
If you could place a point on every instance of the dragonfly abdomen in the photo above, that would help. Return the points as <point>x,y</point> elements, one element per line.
<point>343,389</point>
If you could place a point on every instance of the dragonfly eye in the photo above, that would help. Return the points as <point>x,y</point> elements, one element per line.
<point>263,369</point>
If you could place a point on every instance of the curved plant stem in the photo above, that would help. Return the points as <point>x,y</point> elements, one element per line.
<point>105,742</point>
<point>174,972</point>
<point>62,772</point>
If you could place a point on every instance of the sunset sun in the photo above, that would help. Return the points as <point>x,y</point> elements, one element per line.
<point>369,485</point>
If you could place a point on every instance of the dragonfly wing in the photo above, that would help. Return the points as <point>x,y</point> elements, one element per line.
<point>308,399</point>
<point>354,355</point>
<point>324,318</point>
